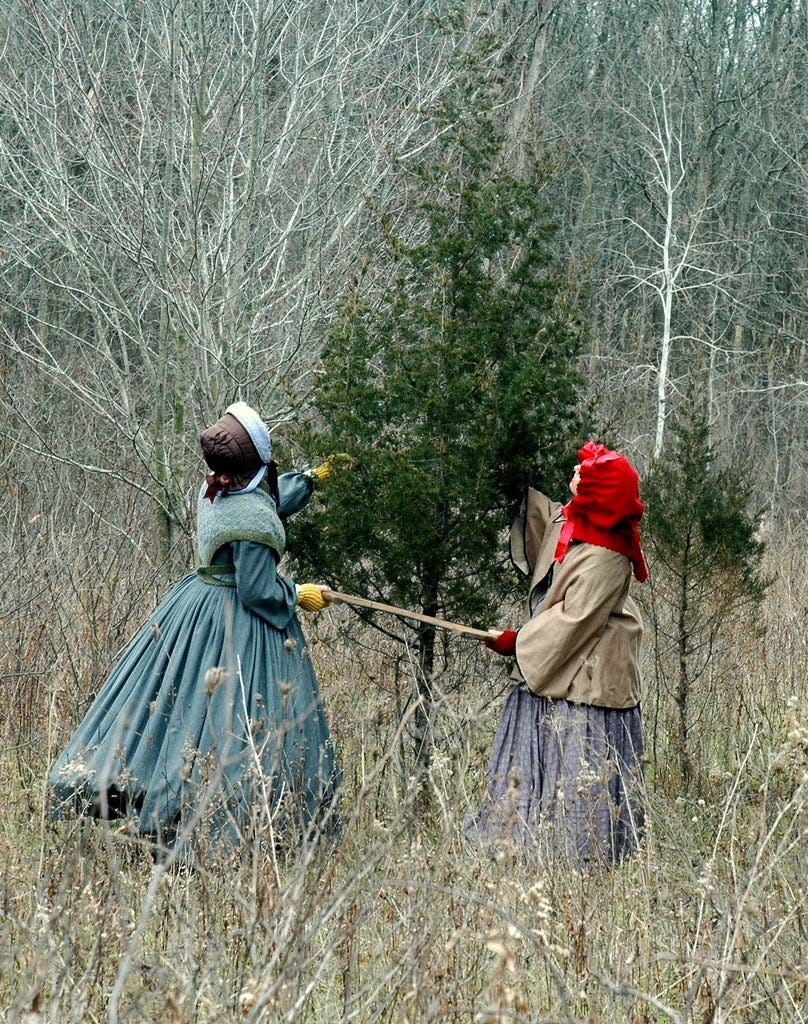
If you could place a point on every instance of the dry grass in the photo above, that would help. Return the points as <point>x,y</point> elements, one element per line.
<point>401,920</point>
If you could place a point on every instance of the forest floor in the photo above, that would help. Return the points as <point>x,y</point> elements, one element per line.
<point>402,920</point>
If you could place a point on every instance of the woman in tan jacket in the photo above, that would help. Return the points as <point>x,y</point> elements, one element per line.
<point>566,766</point>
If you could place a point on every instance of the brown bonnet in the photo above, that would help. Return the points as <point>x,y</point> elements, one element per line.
<point>230,453</point>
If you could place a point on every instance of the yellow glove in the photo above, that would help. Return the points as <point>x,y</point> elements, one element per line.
<point>310,597</point>
<point>325,469</point>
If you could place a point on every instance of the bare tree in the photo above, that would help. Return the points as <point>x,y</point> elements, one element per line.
<point>720,86</point>
<point>668,253</point>
<point>184,190</point>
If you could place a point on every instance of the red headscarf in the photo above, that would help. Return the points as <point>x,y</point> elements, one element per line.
<point>607,507</point>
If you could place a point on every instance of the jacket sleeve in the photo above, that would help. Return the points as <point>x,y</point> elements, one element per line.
<point>567,630</point>
<point>529,529</point>
<point>294,491</point>
<point>259,587</point>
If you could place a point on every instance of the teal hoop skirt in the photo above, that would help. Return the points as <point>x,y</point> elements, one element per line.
<point>212,717</point>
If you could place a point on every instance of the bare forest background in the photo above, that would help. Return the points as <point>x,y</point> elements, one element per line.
<point>186,192</point>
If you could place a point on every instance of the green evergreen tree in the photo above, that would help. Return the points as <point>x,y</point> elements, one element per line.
<point>702,535</point>
<point>451,386</point>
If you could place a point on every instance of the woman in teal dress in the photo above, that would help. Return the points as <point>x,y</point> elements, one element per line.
<point>211,721</point>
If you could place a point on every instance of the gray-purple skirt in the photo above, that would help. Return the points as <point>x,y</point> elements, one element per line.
<point>565,779</point>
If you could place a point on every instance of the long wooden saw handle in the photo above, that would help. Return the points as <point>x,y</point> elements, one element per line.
<point>404,613</point>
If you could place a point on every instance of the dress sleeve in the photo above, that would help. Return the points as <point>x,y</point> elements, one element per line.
<point>529,529</point>
<point>259,587</point>
<point>294,491</point>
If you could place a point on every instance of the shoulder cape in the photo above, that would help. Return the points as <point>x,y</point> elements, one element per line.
<point>230,517</point>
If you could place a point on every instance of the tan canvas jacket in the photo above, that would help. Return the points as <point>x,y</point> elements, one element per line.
<point>583,645</point>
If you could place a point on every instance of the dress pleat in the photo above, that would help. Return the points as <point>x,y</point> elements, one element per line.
<point>209,714</point>
<point>564,779</point>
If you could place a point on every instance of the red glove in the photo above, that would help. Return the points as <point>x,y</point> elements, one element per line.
<point>505,643</point>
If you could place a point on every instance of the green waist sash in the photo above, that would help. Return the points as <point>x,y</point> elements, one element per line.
<point>217,575</point>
